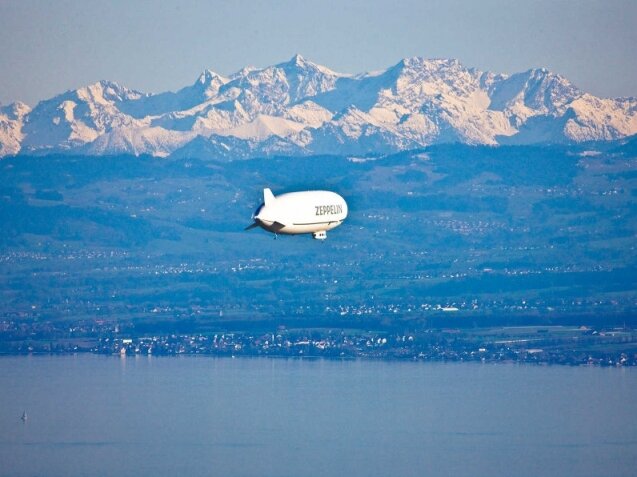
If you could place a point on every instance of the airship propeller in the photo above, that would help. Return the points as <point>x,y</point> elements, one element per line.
<point>255,221</point>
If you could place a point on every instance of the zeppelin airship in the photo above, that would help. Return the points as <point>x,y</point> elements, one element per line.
<point>309,212</point>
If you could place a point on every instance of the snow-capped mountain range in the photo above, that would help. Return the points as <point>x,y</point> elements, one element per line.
<point>299,108</point>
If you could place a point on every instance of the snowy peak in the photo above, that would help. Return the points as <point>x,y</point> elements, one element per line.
<point>433,77</point>
<point>299,65</point>
<point>306,79</point>
<point>111,91</point>
<point>429,64</point>
<point>285,83</point>
<point>14,111</point>
<point>11,122</point>
<point>535,89</point>
<point>209,77</point>
<point>296,62</point>
<point>209,82</point>
<point>300,107</point>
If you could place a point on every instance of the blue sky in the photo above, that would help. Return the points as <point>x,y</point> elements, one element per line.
<point>153,46</point>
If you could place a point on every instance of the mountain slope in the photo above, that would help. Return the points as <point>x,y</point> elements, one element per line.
<point>11,123</point>
<point>299,107</point>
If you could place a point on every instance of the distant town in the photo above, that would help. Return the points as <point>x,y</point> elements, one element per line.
<point>565,345</point>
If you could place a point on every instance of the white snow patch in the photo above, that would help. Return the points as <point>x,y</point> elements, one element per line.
<point>263,127</point>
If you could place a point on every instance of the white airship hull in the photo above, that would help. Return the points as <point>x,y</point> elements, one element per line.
<point>313,212</point>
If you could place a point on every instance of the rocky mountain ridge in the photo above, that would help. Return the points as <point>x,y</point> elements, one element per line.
<point>300,108</point>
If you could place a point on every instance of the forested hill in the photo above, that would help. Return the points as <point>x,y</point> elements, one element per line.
<point>471,233</point>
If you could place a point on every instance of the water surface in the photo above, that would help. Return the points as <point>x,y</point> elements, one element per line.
<point>111,416</point>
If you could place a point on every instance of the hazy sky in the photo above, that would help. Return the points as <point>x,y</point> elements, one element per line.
<point>49,47</point>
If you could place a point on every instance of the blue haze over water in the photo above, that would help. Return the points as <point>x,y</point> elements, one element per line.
<point>96,415</point>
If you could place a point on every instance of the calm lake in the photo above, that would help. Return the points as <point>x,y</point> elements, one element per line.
<point>95,415</point>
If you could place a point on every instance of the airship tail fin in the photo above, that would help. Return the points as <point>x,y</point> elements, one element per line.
<point>268,196</point>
